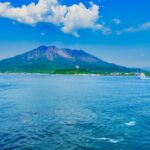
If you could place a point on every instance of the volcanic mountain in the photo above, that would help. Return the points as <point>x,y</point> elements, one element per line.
<point>50,59</point>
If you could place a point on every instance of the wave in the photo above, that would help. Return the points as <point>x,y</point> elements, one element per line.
<point>110,139</point>
<point>131,123</point>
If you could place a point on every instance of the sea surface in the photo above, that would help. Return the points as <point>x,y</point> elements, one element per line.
<point>68,112</point>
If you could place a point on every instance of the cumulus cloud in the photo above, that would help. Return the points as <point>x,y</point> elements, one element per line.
<point>69,18</point>
<point>43,11</point>
<point>78,16</point>
<point>116,21</point>
<point>142,27</point>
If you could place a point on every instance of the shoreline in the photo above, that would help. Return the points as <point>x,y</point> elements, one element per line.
<point>87,74</point>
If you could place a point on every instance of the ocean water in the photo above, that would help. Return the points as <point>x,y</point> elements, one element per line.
<point>56,112</point>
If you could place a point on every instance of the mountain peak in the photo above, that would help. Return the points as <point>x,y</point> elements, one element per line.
<point>52,47</point>
<point>47,53</point>
<point>46,47</point>
<point>51,58</point>
<point>42,47</point>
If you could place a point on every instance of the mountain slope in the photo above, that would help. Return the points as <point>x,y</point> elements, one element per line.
<point>52,59</point>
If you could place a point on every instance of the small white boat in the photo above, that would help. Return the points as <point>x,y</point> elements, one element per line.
<point>141,76</point>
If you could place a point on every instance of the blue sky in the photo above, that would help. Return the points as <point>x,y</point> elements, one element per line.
<point>114,30</point>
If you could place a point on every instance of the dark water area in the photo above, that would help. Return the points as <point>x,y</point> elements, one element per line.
<point>56,112</point>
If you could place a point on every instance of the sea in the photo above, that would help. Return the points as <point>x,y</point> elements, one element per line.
<point>74,112</point>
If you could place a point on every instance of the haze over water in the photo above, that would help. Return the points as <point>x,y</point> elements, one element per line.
<point>41,112</point>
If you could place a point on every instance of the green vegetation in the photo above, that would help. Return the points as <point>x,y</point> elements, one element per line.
<point>77,72</point>
<point>52,60</point>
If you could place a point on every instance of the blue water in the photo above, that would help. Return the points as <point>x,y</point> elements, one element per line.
<point>50,112</point>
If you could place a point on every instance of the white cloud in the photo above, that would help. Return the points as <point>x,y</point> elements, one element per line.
<point>142,27</point>
<point>106,31</point>
<point>116,21</point>
<point>79,17</point>
<point>69,18</point>
<point>43,11</point>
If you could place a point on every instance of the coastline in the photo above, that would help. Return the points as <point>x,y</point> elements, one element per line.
<point>66,74</point>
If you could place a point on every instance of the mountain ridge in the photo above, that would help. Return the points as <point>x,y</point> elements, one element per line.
<point>50,59</point>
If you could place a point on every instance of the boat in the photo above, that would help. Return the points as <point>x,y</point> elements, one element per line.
<point>141,76</point>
